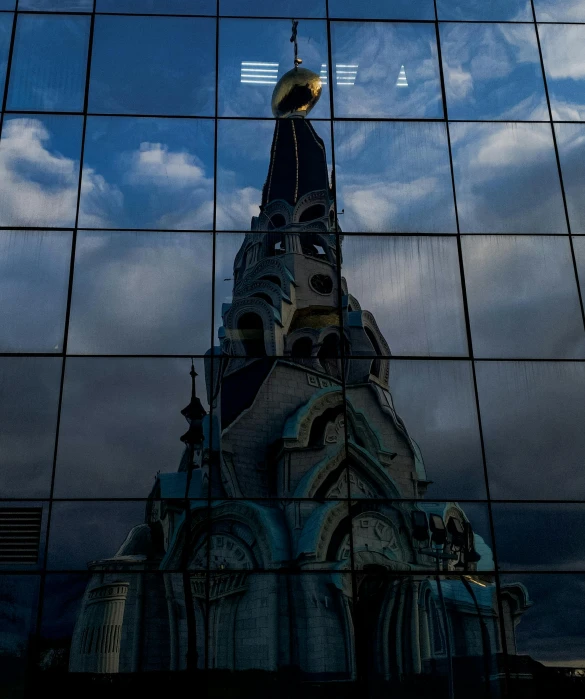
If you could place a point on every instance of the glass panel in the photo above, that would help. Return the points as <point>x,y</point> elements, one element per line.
<point>91,534</point>
<point>539,536</point>
<point>34,279</point>
<point>272,290</point>
<point>427,619</point>
<point>18,611</point>
<point>7,4</point>
<point>142,293</point>
<point>147,173</point>
<point>563,53</point>
<point>559,10</point>
<point>412,286</point>
<point>436,401</point>
<point>277,621</point>
<point>571,144</point>
<point>55,6</point>
<point>146,622</point>
<point>267,8</point>
<point>160,7</point>
<point>386,70</point>
<point>5,34</point>
<point>544,623</point>
<point>29,394</point>
<point>532,416</point>
<point>48,64</point>
<point>147,65</point>
<point>492,71</point>
<point>255,535</point>
<point>265,400</point>
<point>518,286</point>
<point>393,177</point>
<point>390,534</point>
<point>39,170</point>
<point>254,54</point>
<point>508,10</point>
<point>382,9</point>
<point>506,179</point>
<point>121,424</point>
<point>245,164</point>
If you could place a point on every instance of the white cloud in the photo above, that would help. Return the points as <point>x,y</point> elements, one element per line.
<point>563,50</point>
<point>236,207</point>
<point>37,186</point>
<point>155,162</point>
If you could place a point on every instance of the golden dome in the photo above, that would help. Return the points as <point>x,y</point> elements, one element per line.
<point>296,93</point>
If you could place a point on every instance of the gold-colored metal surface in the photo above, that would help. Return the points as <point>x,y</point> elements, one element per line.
<point>296,93</point>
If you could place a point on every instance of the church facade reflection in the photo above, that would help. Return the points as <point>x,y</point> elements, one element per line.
<point>297,535</point>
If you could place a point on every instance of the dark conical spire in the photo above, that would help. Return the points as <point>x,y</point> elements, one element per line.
<point>298,162</point>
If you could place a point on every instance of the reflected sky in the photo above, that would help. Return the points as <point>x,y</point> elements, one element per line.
<point>559,10</point>
<point>146,65</point>
<point>29,392</point>
<point>147,173</point>
<point>494,10</point>
<point>579,247</point>
<point>435,399</point>
<point>535,536</point>
<point>382,9</point>
<point>243,160</point>
<point>48,63</point>
<point>492,71</point>
<point>563,53</point>
<point>532,416</point>
<point>413,287</point>
<point>571,145</point>
<point>121,423</point>
<point>252,41</point>
<point>269,8</point>
<point>506,179</point>
<point>39,170</point>
<point>187,7</point>
<point>56,5</point>
<point>34,278</point>
<point>5,33</point>
<point>516,286</point>
<point>396,70</point>
<point>141,293</point>
<point>551,631</point>
<point>393,177</point>
<point>87,531</point>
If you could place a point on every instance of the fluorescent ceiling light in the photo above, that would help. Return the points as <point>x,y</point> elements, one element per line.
<point>402,81</point>
<point>346,73</point>
<point>259,73</point>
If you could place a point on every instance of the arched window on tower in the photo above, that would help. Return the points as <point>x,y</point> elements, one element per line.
<point>376,365</point>
<point>275,244</point>
<point>329,355</point>
<point>251,334</point>
<point>301,350</point>
<point>312,212</point>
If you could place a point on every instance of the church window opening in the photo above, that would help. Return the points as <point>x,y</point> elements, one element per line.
<point>302,348</point>
<point>321,283</point>
<point>251,334</point>
<point>312,213</point>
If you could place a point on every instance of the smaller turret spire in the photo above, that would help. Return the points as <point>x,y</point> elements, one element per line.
<point>194,414</point>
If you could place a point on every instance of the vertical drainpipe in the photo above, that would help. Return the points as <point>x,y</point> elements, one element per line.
<point>415,631</point>
<point>172,612</point>
<point>137,634</point>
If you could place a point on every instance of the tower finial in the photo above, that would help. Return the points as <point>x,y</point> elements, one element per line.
<point>293,40</point>
<point>192,374</point>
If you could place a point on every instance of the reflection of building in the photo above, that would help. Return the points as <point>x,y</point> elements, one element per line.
<point>285,426</point>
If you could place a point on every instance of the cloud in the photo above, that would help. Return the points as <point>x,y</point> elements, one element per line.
<point>563,50</point>
<point>154,162</point>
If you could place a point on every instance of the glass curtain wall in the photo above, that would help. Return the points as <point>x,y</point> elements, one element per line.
<point>373,315</point>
